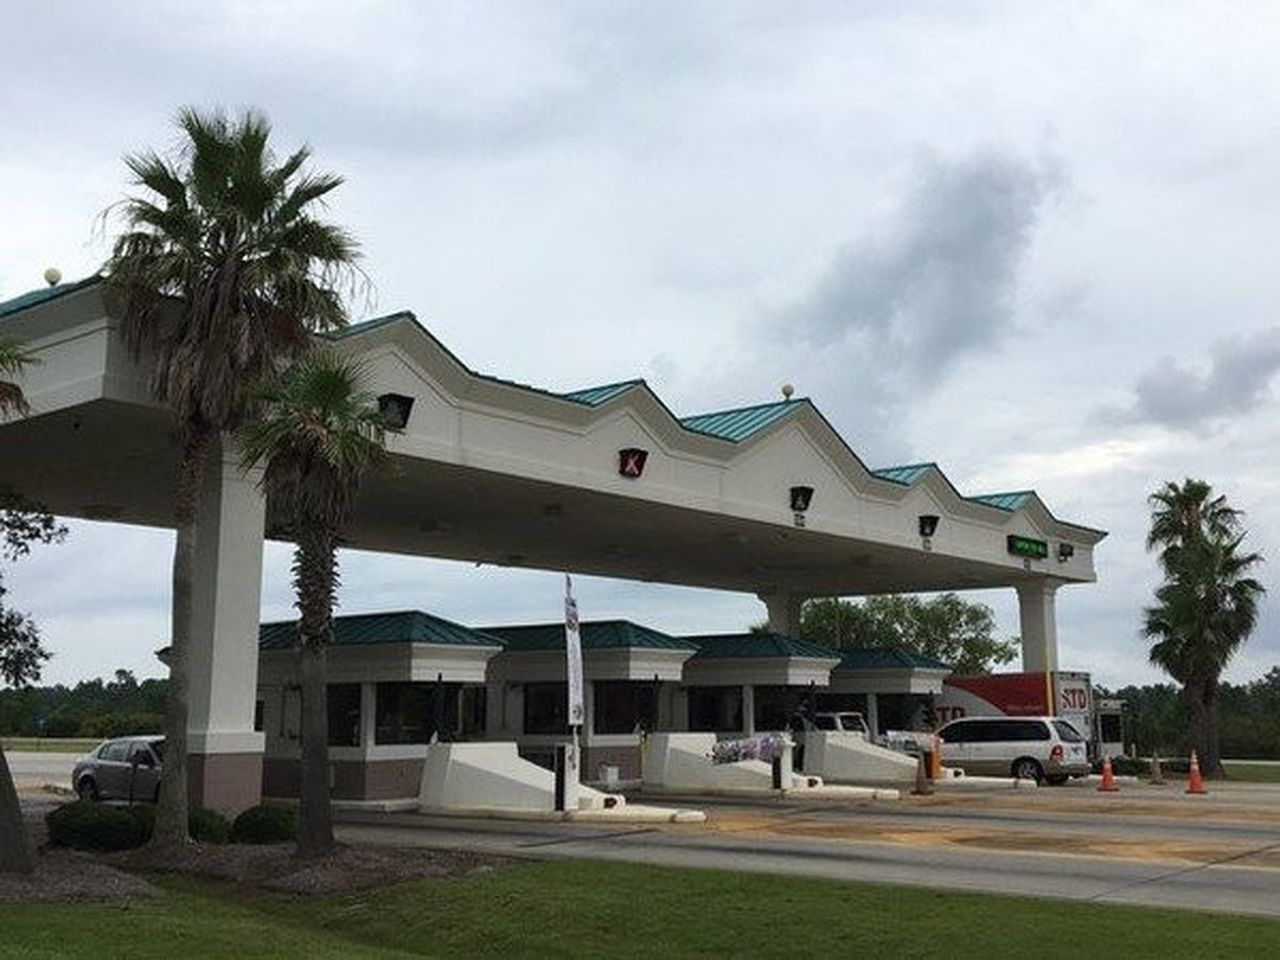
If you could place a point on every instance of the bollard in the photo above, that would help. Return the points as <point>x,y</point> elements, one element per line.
<point>561,771</point>
<point>777,772</point>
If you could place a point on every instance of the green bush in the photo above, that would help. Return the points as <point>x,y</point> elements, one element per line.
<point>83,825</point>
<point>265,824</point>
<point>145,814</point>
<point>208,826</point>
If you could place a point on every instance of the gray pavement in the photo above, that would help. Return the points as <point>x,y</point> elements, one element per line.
<point>31,770</point>
<point>1234,883</point>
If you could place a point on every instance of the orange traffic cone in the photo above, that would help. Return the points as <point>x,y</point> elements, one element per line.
<point>935,759</point>
<point>1195,783</point>
<point>1108,784</point>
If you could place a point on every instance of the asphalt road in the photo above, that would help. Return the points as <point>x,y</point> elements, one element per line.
<point>1170,860</point>
<point>31,770</point>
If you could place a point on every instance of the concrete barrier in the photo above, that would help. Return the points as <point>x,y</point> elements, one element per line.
<point>492,776</point>
<point>846,757</point>
<point>681,762</point>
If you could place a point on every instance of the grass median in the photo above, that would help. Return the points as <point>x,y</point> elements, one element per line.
<point>49,744</point>
<point>584,908</point>
<point>1247,772</point>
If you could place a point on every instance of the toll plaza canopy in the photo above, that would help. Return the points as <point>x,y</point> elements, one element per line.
<point>605,480</point>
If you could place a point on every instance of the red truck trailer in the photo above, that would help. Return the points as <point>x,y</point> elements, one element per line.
<point>1020,695</point>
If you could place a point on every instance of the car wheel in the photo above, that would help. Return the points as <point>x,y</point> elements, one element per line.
<point>1028,768</point>
<point>1057,781</point>
<point>86,789</point>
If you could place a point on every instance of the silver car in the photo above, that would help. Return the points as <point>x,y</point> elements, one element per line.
<point>126,768</point>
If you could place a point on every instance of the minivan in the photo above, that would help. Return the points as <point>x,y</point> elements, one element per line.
<point>1043,749</point>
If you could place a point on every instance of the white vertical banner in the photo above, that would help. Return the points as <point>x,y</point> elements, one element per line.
<point>573,656</point>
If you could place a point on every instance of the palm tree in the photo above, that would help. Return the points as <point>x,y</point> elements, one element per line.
<point>12,359</point>
<point>1208,604</point>
<point>319,433</point>
<point>223,273</point>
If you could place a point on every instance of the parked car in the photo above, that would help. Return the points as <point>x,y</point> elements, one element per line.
<point>126,768</point>
<point>1043,749</point>
<point>849,721</point>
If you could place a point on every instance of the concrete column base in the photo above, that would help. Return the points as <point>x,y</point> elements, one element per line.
<point>226,782</point>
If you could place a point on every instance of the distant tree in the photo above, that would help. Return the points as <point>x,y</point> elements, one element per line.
<point>319,434</point>
<point>946,627</point>
<point>1207,605</point>
<point>223,272</point>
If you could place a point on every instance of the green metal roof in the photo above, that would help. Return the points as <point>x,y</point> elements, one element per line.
<point>596,635</point>
<point>1004,501</point>
<point>906,474</point>
<point>594,396</point>
<point>876,658</point>
<point>739,424</point>
<point>725,646</point>
<point>406,626</point>
<point>45,294</point>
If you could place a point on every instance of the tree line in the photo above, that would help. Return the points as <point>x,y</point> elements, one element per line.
<point>92,708</point>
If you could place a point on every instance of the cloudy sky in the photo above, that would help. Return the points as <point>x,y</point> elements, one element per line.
<point>1036,243</point>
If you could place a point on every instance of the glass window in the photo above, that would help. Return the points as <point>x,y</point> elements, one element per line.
<point>157,747</point>
<point>1067,732</point>
<point>624,706</point>
<point>474,709</point>
<point>344,715</point>
<point>959,733</point>
<point>116,751</point>
<point>1026,730</point>
<point>715,709</point>
<point>546,708</point>
<point>408,712</point>
<point>776,706</point>
<point>824,721</point>
<point>1109,727</point>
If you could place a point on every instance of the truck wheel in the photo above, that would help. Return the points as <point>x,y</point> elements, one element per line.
<point>1028,768</point>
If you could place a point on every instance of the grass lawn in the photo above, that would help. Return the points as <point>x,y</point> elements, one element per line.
<point>585,908</point>
<point>1252,772</point>
<point>49,745</point>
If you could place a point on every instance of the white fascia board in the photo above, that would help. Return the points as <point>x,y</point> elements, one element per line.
<point>759,671</point>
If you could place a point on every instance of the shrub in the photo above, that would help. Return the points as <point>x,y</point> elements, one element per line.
<point>93,826</point>
<point>145,814</point>
<point>208,826</point>
<point>265,824</point>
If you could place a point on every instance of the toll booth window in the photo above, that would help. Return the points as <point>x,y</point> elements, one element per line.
<point>546,708</point>
<point>410,713</point>
<point>715,709</point>
<point>344,715</point>
<point>624,706</point>
<point>777,705</point>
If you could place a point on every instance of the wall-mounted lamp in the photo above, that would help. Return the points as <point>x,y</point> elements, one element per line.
<point>801,497</point>
<point>928,524</point>
<point>1065,552</point>
<point>395,409</point>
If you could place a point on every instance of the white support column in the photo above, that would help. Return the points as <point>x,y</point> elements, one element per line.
<point>784,612</point>
<point>1038,622</point>
<point>226,753</point>
<point>748,709</point>
<point>368,716</point>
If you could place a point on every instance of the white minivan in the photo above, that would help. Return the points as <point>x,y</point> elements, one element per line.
<point>1043,749</point>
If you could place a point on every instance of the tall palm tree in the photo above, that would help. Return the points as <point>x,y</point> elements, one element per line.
<point>1184,515</point>
<point>1208,604</point>
<point>223,272</point>
<point>13,357</point>
<point>320,432</point>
